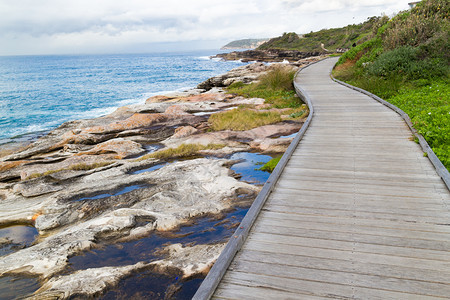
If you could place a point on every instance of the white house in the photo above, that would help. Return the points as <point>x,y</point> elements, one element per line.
<point>413,4</point>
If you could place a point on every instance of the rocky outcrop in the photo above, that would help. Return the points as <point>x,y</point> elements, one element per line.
<point>245,74</point>
<point>161,198</point>
<point>88,183</point>
<point>271,55</point>
<point>91,282</point>
<point>260,138</point>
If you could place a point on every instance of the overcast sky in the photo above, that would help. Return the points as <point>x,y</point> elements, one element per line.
<point>116,26</point>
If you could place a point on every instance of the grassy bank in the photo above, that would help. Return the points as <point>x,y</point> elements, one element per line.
<point>407,63</point>
<point>184,150</point>
<point>276,88</point>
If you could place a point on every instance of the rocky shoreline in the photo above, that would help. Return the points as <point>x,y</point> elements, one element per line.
<point>272,55</point>
<point>106,180</point>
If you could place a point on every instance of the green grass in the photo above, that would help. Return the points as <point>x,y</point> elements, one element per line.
<point>241,119</point>
<point>429,110</point>
<point>271,164</point>
<point>184,150</point>
<point>297,113</point>
<point>275,87</point>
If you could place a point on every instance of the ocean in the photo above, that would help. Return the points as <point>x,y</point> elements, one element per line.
<point>39,93</point>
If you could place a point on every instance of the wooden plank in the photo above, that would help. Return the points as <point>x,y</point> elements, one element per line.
<point>354,237</point>
<point>362,247</point>
<point>333,203</point>
<point>357,221</point>
<point>292,182</point>
<point>239,292</point>
<point>317,288</point>
<point>345,278</point>
<point>363,230</point>
<point>318,195</point>
<point>431,265</point>
<point>350,266</point>
<point>358,214</point>
<point>356,205</point>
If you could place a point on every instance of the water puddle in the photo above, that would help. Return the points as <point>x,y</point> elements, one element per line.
<point>148,284</point>
<point>288,136</point>
<point>204,113</point>
<point>12,286</point>
<point>248,168</point>
<point>16,237</point>
<point>121,191</point>
<point>149,169</point>
<point>204,230</point>
<point>150,148</point>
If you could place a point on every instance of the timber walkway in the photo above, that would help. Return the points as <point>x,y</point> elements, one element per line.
<point>357,213</point>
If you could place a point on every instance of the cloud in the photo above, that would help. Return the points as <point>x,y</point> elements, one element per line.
<point>54,26</point>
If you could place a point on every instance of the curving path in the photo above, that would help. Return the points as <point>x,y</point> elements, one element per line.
<point>357,213</point>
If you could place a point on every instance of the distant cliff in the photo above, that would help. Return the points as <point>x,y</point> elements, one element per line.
<point>244,44</point>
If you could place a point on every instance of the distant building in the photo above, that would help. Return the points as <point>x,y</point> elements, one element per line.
<point>413,4</point>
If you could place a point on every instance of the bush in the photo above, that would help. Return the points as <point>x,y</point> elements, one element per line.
<point>406,61</point>
<point>417,26</point>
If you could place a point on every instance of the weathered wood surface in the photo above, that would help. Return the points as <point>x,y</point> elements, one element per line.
<point>358,212</point>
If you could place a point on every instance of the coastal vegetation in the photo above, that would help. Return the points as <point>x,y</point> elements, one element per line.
<point>184,150</point>
<point>271,164</point>
<point>406,62</point>
<point>276,88</point>
<point>331,39</point>
<point>242,118</point>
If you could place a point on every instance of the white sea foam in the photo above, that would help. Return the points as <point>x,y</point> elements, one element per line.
<point>37,127</point>
<point>204,57</point>
<point>96,112</point>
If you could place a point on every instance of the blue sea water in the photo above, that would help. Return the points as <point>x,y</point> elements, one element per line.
<point>39,93</point>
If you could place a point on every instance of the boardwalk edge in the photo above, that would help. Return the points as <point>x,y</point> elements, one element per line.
<point>236,241</point>
<point>440,168</point>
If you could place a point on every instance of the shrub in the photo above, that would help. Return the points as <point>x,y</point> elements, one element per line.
<point>405,61</point>
<point>417,26</point>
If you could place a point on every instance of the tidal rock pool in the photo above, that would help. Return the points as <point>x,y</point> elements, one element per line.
<point>16,237</point>
<point>249,165</point>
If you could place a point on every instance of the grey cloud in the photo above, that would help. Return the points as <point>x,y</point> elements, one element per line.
<point>54,24</point>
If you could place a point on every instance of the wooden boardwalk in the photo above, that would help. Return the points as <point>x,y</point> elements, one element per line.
<point>358,212</point>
